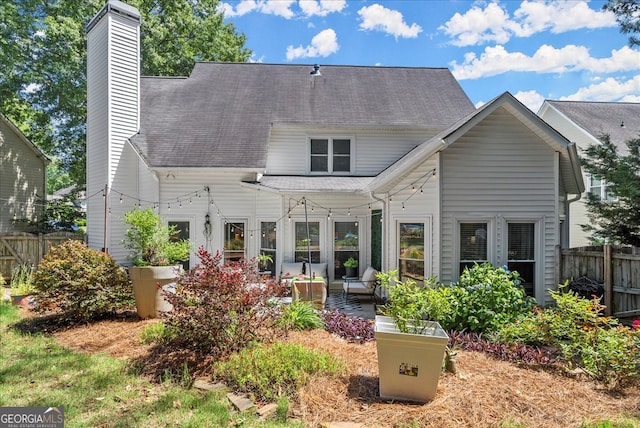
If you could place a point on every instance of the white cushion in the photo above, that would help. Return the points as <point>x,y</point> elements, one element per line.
<point>369,275</point>
<point>289,270</point>
<point>319,268</point>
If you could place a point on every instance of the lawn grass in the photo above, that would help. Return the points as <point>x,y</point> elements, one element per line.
<point>98,390</point>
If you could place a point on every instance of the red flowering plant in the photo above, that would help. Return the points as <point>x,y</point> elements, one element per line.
<point>636,324</point>
<point>219,308</point>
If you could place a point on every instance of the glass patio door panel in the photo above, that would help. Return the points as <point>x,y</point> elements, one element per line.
<point>234,241</point>
<point>183,229</point>
<point>268,244</point>
<point>522,253</point>
<point>346,244</point>
<point>306,243</point>
<point>411,251</point>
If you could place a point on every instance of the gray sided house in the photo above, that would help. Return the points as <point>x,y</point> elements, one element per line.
<point>391,165</point>
<point>22,179</point>
<point>584,122</point>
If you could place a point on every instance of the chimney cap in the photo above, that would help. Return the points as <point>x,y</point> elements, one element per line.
<point>118,7</point>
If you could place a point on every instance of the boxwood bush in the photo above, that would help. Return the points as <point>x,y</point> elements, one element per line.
<point>81,283</point>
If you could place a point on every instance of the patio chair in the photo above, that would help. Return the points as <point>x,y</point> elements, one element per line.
<point>366,285</point>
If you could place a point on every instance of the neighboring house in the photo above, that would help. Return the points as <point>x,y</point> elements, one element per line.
<point>584,122</point>
<point>22,179</point>
<point>391,165</point>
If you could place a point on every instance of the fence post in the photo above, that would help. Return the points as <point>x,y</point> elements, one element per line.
<point>41,248</point>
<point>608,279</point>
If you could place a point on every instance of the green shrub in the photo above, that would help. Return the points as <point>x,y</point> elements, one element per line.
<point>597,344</point>
<point>409,303</point>
<point>156,333</point>
<point>484,299</point>
<point>300,315</point>
<point>267,372</point>
<point>488,298</point>
<point>81,283</point>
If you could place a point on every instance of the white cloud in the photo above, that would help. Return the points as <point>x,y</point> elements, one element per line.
<point>492,24</point>
<point>282,8</point>
<point>479,25</point>
<point>559,17</point>
<point>379,18</point>
<point>323,44</point>
<point>321,7</point>
<point>531,99</point>
<point>547,59</point>
<point>609,90</point>
<point>270,7</point>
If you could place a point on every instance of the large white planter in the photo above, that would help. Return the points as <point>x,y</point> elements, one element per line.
<point>148,283</point>
<point>409,364</point>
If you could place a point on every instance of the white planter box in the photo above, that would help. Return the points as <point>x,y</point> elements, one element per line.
<point>409,364</point>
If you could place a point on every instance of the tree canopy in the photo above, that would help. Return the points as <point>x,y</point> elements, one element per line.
<point>614,219</point>
<point>628,17</point>
<point>43,62</point>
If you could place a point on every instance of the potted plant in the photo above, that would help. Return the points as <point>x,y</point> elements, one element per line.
<point>351,266</point>
<point>263,263</point>
<point>155,258</point>
<point>411,349</point>
<point>21,285</point>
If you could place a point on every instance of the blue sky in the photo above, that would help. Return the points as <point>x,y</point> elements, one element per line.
<point>537,50</point>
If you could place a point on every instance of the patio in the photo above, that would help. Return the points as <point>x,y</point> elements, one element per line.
<point>354,305</point>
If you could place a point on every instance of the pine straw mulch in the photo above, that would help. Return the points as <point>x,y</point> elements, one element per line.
<point>484,393</point>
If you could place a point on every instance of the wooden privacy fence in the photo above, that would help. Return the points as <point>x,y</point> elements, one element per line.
<point>18,248</point>
<point>617,268</point>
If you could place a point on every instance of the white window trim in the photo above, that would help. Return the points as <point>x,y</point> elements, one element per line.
<point>362,263</point>
<point>322,232</point>
<point>604,194</point>
<point>191,219</point>
<point>538,232</point>
<point>428,241</point>
<point>223,224</point>
<point>491,241</point>
<point>330,138</point>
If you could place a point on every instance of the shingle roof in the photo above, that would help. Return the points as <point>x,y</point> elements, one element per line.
<point>221,115</point>
<point>598,118</point>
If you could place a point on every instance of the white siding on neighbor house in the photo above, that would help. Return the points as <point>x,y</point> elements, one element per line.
<point>373,151</point>
<point>112,117</point>
<point>500,172</point>
<point>578,209</point>
<point>22,181</point>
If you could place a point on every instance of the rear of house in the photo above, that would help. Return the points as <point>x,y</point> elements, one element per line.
<point>390,165</point>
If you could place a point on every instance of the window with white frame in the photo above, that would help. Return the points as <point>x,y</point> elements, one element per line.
<point>600,189</point>
<point>268,244</point>
<point>234,241</point>
<point>330,155</point>
<point>307,237</point>
<point>411,251</point>
<point>473,244</point>
<point>522,253</point>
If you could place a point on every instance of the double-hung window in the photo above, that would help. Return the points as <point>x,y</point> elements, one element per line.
<point>330,155</point>
<point>473,244</point>
<point>600,189</point>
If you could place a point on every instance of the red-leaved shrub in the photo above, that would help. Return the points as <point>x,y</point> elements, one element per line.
<point>221,308</point>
